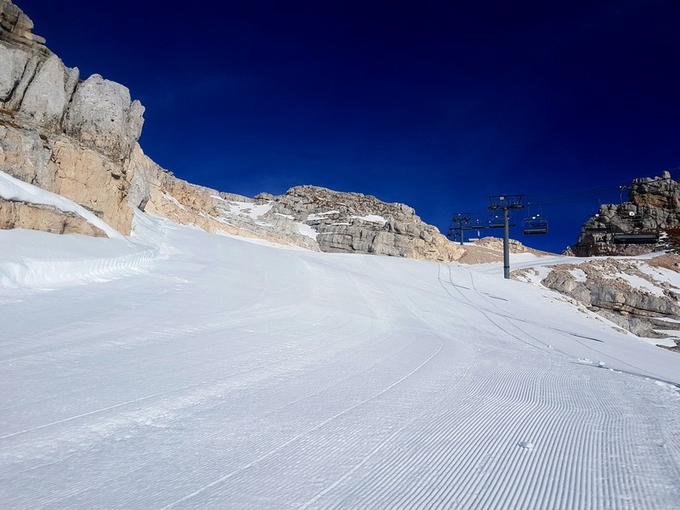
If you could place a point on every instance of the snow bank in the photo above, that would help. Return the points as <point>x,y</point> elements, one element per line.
<point>640,283</point>
<point>372,218</point>
<point>15,189</point>
<point>249,209</point>
<point>321,215</point>
<point>31,259</point>
<point>307,231</point>
<point>579,275</point>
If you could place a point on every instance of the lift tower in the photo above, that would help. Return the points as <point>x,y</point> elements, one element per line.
<point>506,203</point>
<point>459,224</point>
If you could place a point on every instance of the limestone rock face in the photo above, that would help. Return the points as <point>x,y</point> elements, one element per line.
<point>358,223</point>
<point>103,117</point>
<point>12,64</point>
<point>653,208</point>
<point>18,28</point>
<point>56,164</point>
<point>24,154</point>
<point>14,214</point>
<point>45,97</point>
<point>69,137</point>
<point>640,295</point>
<point>92,180</point>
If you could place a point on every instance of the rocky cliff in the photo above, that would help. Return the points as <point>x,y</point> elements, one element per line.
<point>79,139</point>
<point>643,224</point>
<point>62,134</point>
<point>354,222</point>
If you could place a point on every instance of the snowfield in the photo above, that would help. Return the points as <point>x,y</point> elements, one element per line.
<point>179,369</point>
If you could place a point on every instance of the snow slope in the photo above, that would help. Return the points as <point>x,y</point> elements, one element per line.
<point>229,374</point>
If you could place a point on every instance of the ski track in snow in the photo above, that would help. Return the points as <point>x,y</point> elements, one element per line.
<point>202,371</point>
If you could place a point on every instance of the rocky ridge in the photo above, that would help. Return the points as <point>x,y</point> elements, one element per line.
<point>79,138</point>
<point>653,208</point>
<point>354,222</point>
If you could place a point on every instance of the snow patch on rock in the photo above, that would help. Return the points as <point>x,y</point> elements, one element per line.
<point>17,190</point>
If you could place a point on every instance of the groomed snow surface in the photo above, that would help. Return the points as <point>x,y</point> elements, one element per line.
<point>204,371</point>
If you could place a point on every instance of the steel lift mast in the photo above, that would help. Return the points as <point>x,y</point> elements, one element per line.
<point>506,203</point>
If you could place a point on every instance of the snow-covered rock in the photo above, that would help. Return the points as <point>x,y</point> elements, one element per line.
<point>641,294</point>
<point>358,223</point>
<point>23,205</point>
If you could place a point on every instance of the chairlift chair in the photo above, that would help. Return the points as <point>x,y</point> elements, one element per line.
<point>636,238</point>
<point>496,221</point>
<point>534,225</point>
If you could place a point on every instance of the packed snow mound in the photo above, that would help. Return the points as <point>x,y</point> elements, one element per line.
<point>228,373</point>
<point>32,260</point>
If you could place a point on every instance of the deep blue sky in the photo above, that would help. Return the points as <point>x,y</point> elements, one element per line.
<point>435,104</point>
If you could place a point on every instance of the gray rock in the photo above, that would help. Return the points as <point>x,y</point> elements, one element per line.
<point>14,101</point>
<point>102,116</point>
<point>47,94</point>
<point>12,64</point>
<point>358,223</point>
<point>15,26</point>
<point>23,155</point>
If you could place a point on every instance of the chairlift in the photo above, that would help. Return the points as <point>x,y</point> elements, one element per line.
<point>496,221</point>
<point>636,237</point>
<point>534,225</point>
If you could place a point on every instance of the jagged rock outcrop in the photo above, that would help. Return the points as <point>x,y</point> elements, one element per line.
<point>638,226</point>
<point>358,223</point>
<point>16,27</point>
<point>640,295</point>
